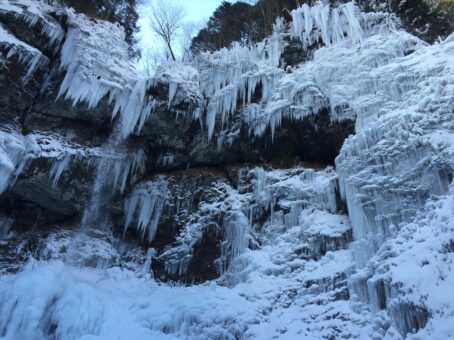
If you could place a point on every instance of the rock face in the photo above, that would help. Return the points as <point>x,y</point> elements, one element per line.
<point>171,138</point>
<point>220,173</point>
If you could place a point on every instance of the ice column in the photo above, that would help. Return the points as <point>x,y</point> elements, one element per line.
<point>236,238</point>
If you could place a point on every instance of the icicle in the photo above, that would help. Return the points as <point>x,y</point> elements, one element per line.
<point>134,107</point>
<point>236,238</point>
<point>55,34</point>
<point>12,153</point>
<point>26,54</point>
<point>178,267</point>
<point>148,201</point>
<point>149,259</point>
<point>167,160</point>
<point>126,167</point>
<point>330,25</point>
<point>260,188</point>
<point>292,218</point>
<point>31,68</point>
<point>58,167</point>
<point>276,44</point>
<point>173,87</point>
<point>355,30</point>
<point>5,225</point>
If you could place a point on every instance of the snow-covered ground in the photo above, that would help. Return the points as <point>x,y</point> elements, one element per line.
<point>83,284</point>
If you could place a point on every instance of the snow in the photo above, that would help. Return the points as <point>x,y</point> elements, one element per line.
<point>32,7</point>
<point>288,267</point>
<point>83,273</point>
<point>325,223</point>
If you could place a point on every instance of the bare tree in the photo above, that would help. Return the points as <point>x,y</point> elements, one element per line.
<point>150,60</point>
<point>189,30</point>
<point>165,20</point>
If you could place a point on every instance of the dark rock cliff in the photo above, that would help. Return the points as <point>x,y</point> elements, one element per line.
<point>33,106</point>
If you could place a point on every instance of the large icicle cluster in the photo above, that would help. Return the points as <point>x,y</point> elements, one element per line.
<point>32,13</point>
<point>330,25</point>
<point>253,76</point>
<point>26,53</point>
<point>17,150</point>
<point>402,276</point>
<point>94,56</point>
<point>279,196</point>
<point>89,74</point>
<point>263,290</point>
<point>395,175</point>
<point>339,78</point>
<point>148,201</point>
<point>417,90</point>
<point>233,75</point>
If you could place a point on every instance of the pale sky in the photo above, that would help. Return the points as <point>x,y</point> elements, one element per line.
<point>199,10</point>
<point>196,11</point>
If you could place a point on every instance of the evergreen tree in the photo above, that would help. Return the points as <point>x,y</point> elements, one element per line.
<point>422,19</point>
<point>240,21</point>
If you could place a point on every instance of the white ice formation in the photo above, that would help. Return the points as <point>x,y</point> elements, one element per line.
<point>148,201</point>
<point>285,253</point>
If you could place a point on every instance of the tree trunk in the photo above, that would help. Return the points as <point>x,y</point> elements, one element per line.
<point>171,51</point>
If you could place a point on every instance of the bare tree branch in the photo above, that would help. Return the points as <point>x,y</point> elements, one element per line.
<point>165,19</point>
<point>190,29</point>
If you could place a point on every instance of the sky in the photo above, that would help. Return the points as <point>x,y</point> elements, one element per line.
<point>196,11</point>
<point>199,10</point>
